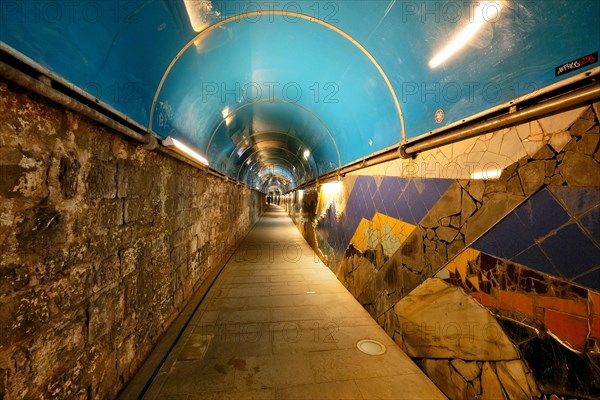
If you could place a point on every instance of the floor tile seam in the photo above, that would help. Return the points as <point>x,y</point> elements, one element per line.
<point>304,384</point>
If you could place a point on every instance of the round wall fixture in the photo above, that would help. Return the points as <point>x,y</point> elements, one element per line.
<point>371,347</point>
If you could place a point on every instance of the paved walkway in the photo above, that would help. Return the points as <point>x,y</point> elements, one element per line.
<point>277,324</point>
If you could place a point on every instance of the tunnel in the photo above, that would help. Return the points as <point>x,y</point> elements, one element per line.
<point>328,199</point>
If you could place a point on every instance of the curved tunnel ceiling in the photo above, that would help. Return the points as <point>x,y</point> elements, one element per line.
<point>278,93</point>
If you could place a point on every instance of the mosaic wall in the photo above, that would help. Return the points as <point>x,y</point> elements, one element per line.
<point>528,304</point>
<point>541,232</point>
<point>525,245</point>
<point>403,200</point>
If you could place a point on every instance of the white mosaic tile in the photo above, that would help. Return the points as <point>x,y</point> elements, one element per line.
<point>496,142</point>
<point>523,130</point>
<point>480,145</point>
<point>559,140</point>
<point>561,122</point>
<point>532,147</point>
<point>512,146</point>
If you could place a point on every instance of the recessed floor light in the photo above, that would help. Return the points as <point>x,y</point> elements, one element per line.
<point>371,347</point>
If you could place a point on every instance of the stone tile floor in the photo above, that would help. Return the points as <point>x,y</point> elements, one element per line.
<point>277,324</point>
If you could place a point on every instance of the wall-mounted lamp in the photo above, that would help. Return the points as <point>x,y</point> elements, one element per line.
<point>331,187</point>
<point>183,149</point>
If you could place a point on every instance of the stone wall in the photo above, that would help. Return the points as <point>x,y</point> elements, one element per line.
<point>527,197</point>
<point>101,246</point>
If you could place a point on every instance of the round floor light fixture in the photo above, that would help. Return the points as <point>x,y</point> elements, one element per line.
<point>371,347</point>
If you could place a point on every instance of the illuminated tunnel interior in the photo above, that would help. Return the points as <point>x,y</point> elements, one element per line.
<point>411,187</point>
<point>278,93</point>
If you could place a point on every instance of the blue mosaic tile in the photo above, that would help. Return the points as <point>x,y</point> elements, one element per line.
<point>384,188</point>
<point>372,186</point>
<point>359,206</point>
<point>390,189</point>
<point>379,203</point>
<point>488,244</point>
<point>403,211</point>
<point>349,224</point>
<point>541,214</point>
<point>430,194</point>
<point>577,200</point>
<point>368,211</point>
<point>441,185</point>
<point>392,186</point>
<point>415,205</point>
<point>591,223</point>
<point>534,258</point>
<point>418,210</point>
<point>410,193</point>
<point>507,239</point>
<point>406,183</point>
<point>591,280</point>
<point>419,184</point>
<point>571,251</point>
<point>360,185</point>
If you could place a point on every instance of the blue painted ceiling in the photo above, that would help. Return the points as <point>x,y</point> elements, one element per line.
<point>276,93</point>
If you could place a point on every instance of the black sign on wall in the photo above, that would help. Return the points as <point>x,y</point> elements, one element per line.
<point>576,64</point>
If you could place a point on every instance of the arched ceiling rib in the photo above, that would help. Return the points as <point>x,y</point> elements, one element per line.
<point>254,165</point>
<point>288,16</point>
<point>338,79</point>
<point>291,128</point>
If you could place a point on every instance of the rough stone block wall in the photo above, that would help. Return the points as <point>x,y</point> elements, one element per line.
<point>101,246</point>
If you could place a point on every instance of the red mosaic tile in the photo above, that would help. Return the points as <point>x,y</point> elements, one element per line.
<point>594,302</point>
<point>570,328</point>
<point>595,327</point>
<point>515,302</point>
<point>563,305</point>
<point>483,298</point>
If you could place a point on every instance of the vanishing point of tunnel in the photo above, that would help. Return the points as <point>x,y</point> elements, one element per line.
<point>305,199</point>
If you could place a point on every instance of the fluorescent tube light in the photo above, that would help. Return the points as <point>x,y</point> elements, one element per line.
<point>487,174</point>
<point>486,11</point>
<point>182,148</point>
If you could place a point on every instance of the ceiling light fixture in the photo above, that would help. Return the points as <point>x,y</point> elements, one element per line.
<point>183,149</point>
<point>200,12</point>
<point>228,118</point>
<point>488,11</point>
<point>306,154</point>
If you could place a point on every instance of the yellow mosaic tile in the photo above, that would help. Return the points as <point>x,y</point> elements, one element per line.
<point>382,229</point>
<point>359,240</point>
<point>460,263</point>
<point>475,282</point>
